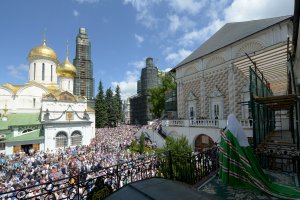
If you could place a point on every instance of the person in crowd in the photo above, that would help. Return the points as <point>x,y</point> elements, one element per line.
<point>108,148</point>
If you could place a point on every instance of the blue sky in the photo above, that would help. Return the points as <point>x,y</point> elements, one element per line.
<point>123,32</point>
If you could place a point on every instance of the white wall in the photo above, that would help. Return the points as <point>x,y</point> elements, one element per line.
<point>38,71</point>
<point>23,100</point>
<point>51,131</point>
<point>66,84</point>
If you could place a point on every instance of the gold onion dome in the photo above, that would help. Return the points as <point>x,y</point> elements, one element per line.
<point>42,52</point>
<point>66,69</point>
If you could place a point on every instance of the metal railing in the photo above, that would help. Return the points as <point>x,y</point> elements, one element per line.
<point>284,161</point>
<point>101,183</point>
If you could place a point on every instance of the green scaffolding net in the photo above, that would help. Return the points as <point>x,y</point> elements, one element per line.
<point>263,117</point>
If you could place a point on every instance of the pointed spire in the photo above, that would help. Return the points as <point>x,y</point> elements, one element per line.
<point>67,51</point>
<point>44,40</point>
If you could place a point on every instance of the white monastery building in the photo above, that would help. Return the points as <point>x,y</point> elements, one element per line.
<point>214,80</point>
<point>44,114</point>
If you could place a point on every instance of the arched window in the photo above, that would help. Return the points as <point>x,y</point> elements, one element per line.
<point>26,130</point>
<point>61,139</point>
<point>51,72</point>
<point>34,68</point>
<point>76,138</point>
<point>43,71</point>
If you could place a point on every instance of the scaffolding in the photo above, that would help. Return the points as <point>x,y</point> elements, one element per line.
<point>263,117</point>
<point>266,108</point>
<point>84,81</point>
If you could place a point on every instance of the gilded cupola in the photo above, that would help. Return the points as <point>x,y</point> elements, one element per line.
<point>66,69</point>
<point>42,52</point>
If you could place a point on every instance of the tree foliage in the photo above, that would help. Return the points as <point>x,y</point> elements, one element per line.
<point>179,146</point>
<point>179,164</point>
<point>111,108</point>
<point>108,107</point>
<point>142,143</point>
<point>118,100</point>
<point>100,108</point>
<point>157,95</point>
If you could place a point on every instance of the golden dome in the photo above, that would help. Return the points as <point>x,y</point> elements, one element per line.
<point>42,51</point>
<point>66,69</point>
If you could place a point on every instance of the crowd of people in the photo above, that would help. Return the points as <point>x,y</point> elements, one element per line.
<point>108,148</point>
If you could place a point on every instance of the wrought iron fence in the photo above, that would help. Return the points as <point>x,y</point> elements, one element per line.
<point>189,168</point>
<point>101,183</point>
<point>277,161</point>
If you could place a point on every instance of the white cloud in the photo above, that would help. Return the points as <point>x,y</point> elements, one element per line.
<point>198,36</point>
<point>87,1</point>
<point>128,86</point>
<point>176,57</point>
<point>167,69</point>
<point>238,10</point>
<point>17,72</point>
<point>144,15</point>
<point>105,20</point>
<point>138,64</point>
<point>243,10</point>
<point>75,13</point>
<point>190,6</point>
<point>177,23</point>
<point>139,38</point>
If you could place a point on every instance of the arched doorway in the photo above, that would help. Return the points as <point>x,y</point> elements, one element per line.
<point>203,142</point>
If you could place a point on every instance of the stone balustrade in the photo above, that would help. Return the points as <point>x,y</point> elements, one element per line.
<point>214,123</point>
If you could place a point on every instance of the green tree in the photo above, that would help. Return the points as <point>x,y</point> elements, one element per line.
<point>157,95</point>
<point>142,143</point>
<point>111,108</point>
<point>179,164</point>
<point>179,146</point>
<point>100,108</point>
<point>118,100</point>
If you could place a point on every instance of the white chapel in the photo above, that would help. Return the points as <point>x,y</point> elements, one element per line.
<point>44,114</point>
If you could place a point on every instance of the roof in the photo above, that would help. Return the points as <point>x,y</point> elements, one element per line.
<point>230,33</point>
<point>19,119</point>
<point>33,135</point>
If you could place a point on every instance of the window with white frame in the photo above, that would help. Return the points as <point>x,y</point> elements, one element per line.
<point>76,138</point>
<point>61,139</point>
<point>216,104</point>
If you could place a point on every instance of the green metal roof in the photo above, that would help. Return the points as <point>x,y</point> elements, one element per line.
<point>20,119</point>
<point>34,135</point>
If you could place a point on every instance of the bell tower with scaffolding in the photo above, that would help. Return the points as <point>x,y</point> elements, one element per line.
<point>84,81</point>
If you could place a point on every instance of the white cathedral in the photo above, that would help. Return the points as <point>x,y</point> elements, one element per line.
<point>44,114</point>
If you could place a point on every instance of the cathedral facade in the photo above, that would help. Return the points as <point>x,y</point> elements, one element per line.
<point>44,114</point>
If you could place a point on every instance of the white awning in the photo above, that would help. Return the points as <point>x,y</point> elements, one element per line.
<point>272,62</point>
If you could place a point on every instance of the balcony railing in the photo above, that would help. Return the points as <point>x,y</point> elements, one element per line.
<point>101,183</point>
<point>214,123</point>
